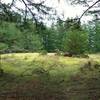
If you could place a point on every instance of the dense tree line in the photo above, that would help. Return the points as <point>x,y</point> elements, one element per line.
<point>19,35</point>
<point>61,37</point>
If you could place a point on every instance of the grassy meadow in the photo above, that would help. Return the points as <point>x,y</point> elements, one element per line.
<point>50,77</point>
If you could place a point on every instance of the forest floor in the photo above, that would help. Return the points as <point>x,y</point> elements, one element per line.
<point>33,76</point>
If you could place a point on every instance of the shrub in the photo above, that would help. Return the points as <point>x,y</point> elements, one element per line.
<point>3,47</point>
<point>76,41</point>
<point>84,56</point>
<point>43,52</point>
<point>67,54</point>
<point>58,52</point>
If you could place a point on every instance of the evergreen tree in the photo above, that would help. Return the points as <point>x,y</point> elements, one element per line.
<point>97,36</point>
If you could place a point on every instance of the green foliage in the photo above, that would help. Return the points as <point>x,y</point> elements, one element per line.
<point>59,53</point>
<point>76,41</point>
<point>17,40</point>
<point>3,47</point>
<point>32,42</point>
<point>65,36</point>
<point>94,36</point>
<point>10,35</point>
<point>97,37</point>
<point>43,52</point>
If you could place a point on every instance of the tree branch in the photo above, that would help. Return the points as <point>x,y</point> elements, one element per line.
<point>88,9</point>
<point>33,15</point>
<point>12,3</point>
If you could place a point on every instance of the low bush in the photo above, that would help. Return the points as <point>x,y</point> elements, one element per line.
<point>43,52</point>
<point>3,47</point>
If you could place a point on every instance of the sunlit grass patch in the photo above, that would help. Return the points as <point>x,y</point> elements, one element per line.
<point>19,62</point>
<point>95,57</point>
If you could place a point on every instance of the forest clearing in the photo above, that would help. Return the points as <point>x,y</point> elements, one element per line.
<point>49,77</point>
<point>49,49</point>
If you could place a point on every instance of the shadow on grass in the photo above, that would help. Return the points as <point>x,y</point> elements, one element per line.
<point>37,87</point>
<point>42,86</point>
